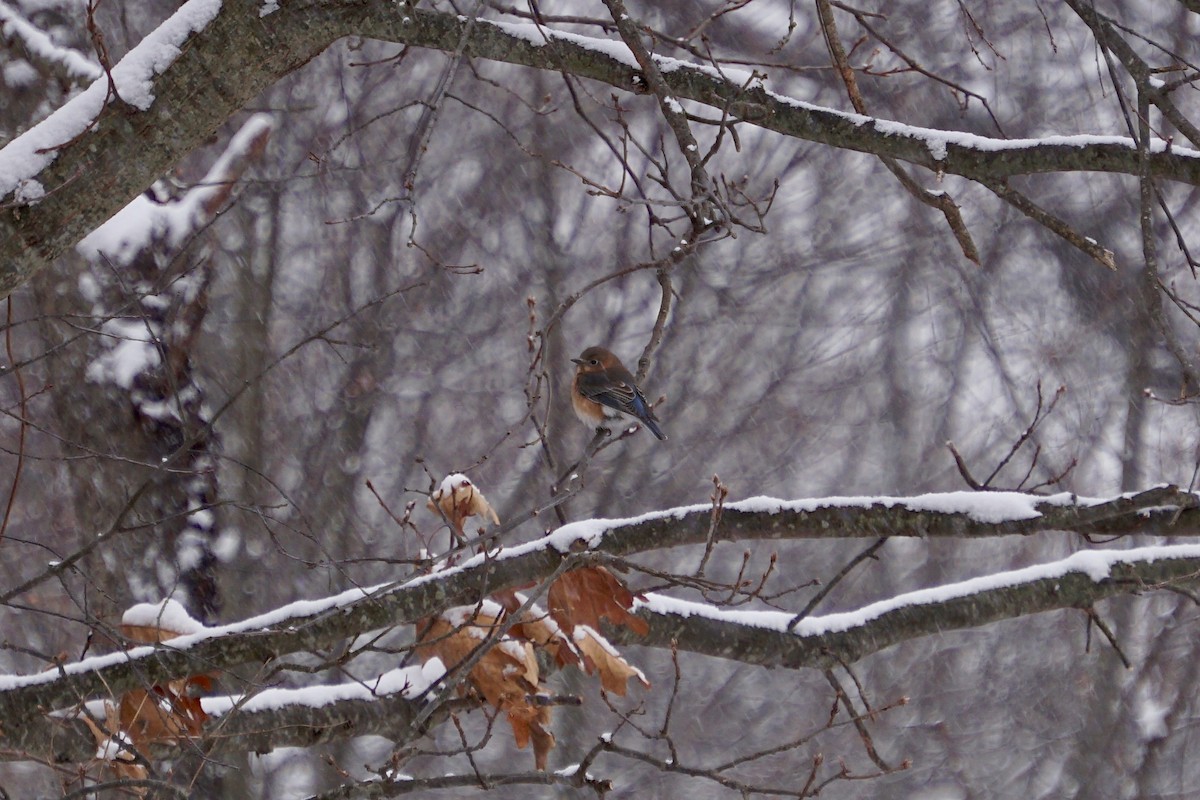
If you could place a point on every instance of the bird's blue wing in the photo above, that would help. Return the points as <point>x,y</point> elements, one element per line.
<point>614,394</point>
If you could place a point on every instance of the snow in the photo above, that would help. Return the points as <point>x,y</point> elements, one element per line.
<point>168,615</point>
<point>29,192</point>
<point>1096,564</point>
<point>988,506</point>
<point>19,73</point>
<point>1151,714</point>
<point>27,155</point>
<point>450,483</point>
<point>202,519</point>
<point>273,618</point>
<point>983,507</point>
<point>407,682</point>
<point>583,632</point>
<point>114,748</point>
<point>461,615</point>
<point>131,229</point>
<point>133,353</point>
<point>538,36</point>
<point>38,43</point>
<point>936,141</point>
<point>30,153</point>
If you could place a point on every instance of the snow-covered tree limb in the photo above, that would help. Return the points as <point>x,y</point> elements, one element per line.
<point>300,627</point>
<point>76,169</point>
<point>763,638</point>
<point>779,639</point>
<point>1165,510</point>
<point>309,626</point>
<point>259,730</point>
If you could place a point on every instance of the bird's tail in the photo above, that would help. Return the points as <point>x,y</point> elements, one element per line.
<point>657,431</point>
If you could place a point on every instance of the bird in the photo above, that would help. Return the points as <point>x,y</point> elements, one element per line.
<point>604,389</point>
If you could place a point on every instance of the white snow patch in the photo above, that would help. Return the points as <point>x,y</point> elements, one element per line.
<point>937,141</point>
<point>275,617</point>
<point>407,681</point>
<point>19,73</point>
<point>1151,716</point>
<point>117,747</point>
<point>28,192</point>
<point>539,36</point>
<point>1096,564</point>
<point>985,507</point>
<point>39,43</point>
<point>168,615</point>
<point>132,353</point>
<point>131,229</point>
<point>988,505</point>
<point>34,150</point>
<point>202,519</point>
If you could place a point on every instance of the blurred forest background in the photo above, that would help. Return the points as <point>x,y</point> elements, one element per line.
<point>834,353</point>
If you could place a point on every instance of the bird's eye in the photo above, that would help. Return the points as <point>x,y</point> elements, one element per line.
<point>594,362</point>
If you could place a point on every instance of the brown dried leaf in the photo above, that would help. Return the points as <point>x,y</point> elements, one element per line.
<point>506,676</point>
<point>586,595</point>
<point>509,669</point>
<point>458,499</point>
<point>531,727</point>
<point>145,634</point>
<point>164,713</point>
<point>614,670</point>
<point>136,772</point>
<point>111,755</point>
<point>545,633</point>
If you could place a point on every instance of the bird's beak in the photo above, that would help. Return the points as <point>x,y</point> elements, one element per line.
<point>577,360</point>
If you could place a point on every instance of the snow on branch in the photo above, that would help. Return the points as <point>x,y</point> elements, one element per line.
<point>390,704</point>
<point>132,229</point>
<point>309,625</point>
<point>1164,510</point>
<point>40,47</point>
<point>766,638</point>
<point>179,87</point>
<point>745,98</point>
<point>776,638</point>
<point>383,705</point>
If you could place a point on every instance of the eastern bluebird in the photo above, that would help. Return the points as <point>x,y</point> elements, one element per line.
<point>603,390</point>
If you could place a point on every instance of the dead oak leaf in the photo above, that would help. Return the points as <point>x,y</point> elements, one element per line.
<point>587,595</point>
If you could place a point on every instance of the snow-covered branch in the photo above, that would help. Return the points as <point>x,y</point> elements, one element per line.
<point>1165,511</point>
<point>307,626</point>
<point>271,719</point>
<point>391,704</point>
<point>40,47</point>
<point>780,639</point>
<point>76,169</point>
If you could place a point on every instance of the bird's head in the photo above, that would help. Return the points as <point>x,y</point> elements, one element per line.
<point>594,359</point>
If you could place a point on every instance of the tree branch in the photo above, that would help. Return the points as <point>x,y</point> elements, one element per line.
<point>241,53</point>
<point>312,625</point>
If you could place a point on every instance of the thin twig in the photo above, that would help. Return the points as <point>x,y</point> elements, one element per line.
<point>719,493</point>
<point>1094,619</point>
<point>842,573</point>
<point>21,426</point>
